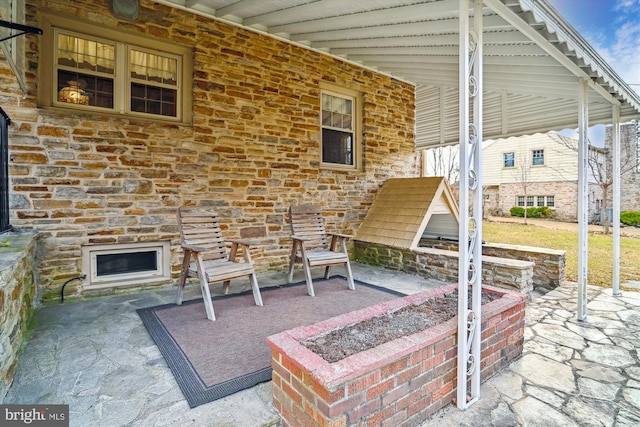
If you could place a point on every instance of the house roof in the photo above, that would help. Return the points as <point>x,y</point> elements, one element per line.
<point>402,209</point>
<point>532,57</point>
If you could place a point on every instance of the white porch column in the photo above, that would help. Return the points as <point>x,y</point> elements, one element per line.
<point>615,137</point>
<point>583,198</point>
<point>470,231</point>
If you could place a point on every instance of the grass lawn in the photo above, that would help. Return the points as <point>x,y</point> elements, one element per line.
<point>600,249</point>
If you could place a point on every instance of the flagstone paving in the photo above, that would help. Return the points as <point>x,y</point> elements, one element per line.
<point>96,356</point>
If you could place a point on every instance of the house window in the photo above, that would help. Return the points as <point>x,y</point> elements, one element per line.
<point>96,69</point>
<point>540,201</point>
<point>520,201</point>
<point>509,160</point>
<point>537,157</point>
<point>551,201</point>
<point>529,200</point>
<point>340,122</point>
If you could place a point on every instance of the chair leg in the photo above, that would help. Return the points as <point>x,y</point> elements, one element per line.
<point>184,272</point>
<point>292,262</point>
<point>326,271</point>
<point>225,287</point>
<point>352,285</point>
<point>256,289</point>
<point>204,286</point>
<point>307,276</point>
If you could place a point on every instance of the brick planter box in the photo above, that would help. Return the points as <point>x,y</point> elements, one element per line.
<point>398,383</point>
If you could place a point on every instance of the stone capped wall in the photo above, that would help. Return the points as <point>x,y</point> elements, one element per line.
<point>17,300</point>
<point>442,265</point>
<point>252,150</point>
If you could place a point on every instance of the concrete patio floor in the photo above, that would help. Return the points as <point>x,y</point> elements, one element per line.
<point>96,356</point>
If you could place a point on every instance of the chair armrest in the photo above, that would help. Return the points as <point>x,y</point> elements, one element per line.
<point>245,242</point>
<point>301,238</point>
<point>343,236</point>
<point>194,248</point>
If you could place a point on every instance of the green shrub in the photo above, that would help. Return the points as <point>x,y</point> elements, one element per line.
<point>539,212</point>
<point>630,218</point>
<point>517,211</point>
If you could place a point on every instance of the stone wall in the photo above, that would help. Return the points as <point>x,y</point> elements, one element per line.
<point>630,176</point>
<point>442,265</point>
<point>17,299</point>
<point>252,150</point>
<point>565,195</point>
<point>549,264</point>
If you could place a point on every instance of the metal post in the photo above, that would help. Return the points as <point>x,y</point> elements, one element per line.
<point>470,230</point>
<point>615,137</point>
<point>583,198</point>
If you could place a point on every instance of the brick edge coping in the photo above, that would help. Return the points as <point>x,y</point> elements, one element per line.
<point>332,375</point>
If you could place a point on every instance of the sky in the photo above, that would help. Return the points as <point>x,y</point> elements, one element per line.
<point>612,28</point>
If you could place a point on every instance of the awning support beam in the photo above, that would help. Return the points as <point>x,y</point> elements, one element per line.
<point>615,137</point>
<point>25,29</point>
<point>583,197</point>
<point>470,225</point>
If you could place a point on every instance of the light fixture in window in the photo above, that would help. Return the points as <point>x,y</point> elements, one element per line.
<point>74,93</point>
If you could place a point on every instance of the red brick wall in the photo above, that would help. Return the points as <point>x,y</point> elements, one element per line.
<point>252,151</point>
<point>383,388</point>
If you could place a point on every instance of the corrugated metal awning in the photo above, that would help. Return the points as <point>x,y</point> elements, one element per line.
<point>532,57</point>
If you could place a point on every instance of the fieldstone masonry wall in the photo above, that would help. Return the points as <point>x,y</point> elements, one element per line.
<point>252,150</point>
<point>17,299</point>
<point>549,264</point>
<point>442,264</point>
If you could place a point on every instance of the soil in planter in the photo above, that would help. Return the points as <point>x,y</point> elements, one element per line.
<point>341,343</point>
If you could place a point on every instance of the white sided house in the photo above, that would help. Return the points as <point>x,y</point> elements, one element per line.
<point>534,171</point>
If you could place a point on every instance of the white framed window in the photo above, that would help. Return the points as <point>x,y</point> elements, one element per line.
<point>340,128</point>
<point>537,157</point>
<point>97,69</point>
<point>540,201</point>
<point>551,201</point>
<point>509,160</point>
<point>520,201</point>
<point>529,201</point>
<point>126,264</point>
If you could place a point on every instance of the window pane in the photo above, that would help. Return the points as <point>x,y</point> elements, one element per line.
<point>84,54</point>
<point>153,100</point>
<point>537,157</point>
<point>540,200</point>
<point>153,68</point>
<point>520,201</point>
<point>529,200</point>
<point>337,147</point>
<point>551,201</point>
<point>85,89</point>
<point>509,160</point>
<point>337,112</point>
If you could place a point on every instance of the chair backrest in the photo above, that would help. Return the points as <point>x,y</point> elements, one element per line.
<point>307,221</point>
<point>199,227</point>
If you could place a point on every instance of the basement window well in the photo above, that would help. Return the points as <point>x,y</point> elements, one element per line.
<point>130,264</point>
